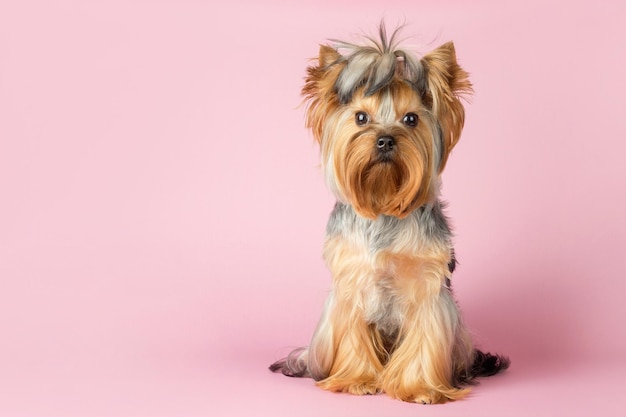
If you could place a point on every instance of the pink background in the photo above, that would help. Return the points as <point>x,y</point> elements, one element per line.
<point>162,211</point>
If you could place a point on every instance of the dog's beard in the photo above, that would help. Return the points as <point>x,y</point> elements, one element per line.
<point>390,184</point>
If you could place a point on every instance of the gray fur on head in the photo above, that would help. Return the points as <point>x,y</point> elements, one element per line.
<point>373,66</point>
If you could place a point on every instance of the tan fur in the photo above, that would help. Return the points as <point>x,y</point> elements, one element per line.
<point>318,89</point>
<point>402,287</point>
<point>391,189</point>
<point>447,82</point>
<point>410,187</point>
<point>428,351</point>
<point>355,364</point>
<point>421,367</point>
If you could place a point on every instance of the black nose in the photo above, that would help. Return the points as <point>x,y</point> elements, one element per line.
<point>385,143</point>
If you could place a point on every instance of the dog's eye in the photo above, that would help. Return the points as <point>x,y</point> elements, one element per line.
<point>410,119</point>
<point>361,118</point>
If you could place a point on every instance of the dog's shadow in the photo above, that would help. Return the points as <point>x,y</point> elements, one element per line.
<point>527,315</point>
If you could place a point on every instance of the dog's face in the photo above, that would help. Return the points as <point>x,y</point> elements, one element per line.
<point>386,123</point>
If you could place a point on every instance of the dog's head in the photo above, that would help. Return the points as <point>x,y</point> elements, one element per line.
<point>386,121</point>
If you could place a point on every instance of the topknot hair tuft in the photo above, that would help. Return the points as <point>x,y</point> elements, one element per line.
<point>373,66</point>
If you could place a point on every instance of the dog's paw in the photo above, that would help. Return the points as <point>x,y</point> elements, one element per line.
<point>366,388</point>
<point>423,396</point>
<point>429,396</point>
<point>351,387</point>
<point>355,388</point>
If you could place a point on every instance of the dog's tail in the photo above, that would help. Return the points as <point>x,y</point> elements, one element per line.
<point>484,364</point>
<point>295,364</point>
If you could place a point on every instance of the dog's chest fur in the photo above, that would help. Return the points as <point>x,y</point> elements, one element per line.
<point>425,230</point>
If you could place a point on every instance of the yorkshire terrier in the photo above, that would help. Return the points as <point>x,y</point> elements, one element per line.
<point>386,122</point>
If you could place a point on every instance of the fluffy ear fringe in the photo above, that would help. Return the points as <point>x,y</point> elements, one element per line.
<point>319,89</point>
<point>447,84</point>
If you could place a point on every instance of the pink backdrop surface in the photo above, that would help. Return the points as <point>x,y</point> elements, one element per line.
<point>162,211</point>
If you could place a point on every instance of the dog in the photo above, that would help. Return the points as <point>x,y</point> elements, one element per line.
<point>386,122</point>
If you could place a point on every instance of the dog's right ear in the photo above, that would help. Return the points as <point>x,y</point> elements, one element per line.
<point>319,89</point>
<point>328,56</point>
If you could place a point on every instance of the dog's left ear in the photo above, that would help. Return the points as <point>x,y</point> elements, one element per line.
<point>447,84</point>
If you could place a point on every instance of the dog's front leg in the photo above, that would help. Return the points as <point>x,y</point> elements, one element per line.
<point>342,352</point>
<point>433,341</point>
